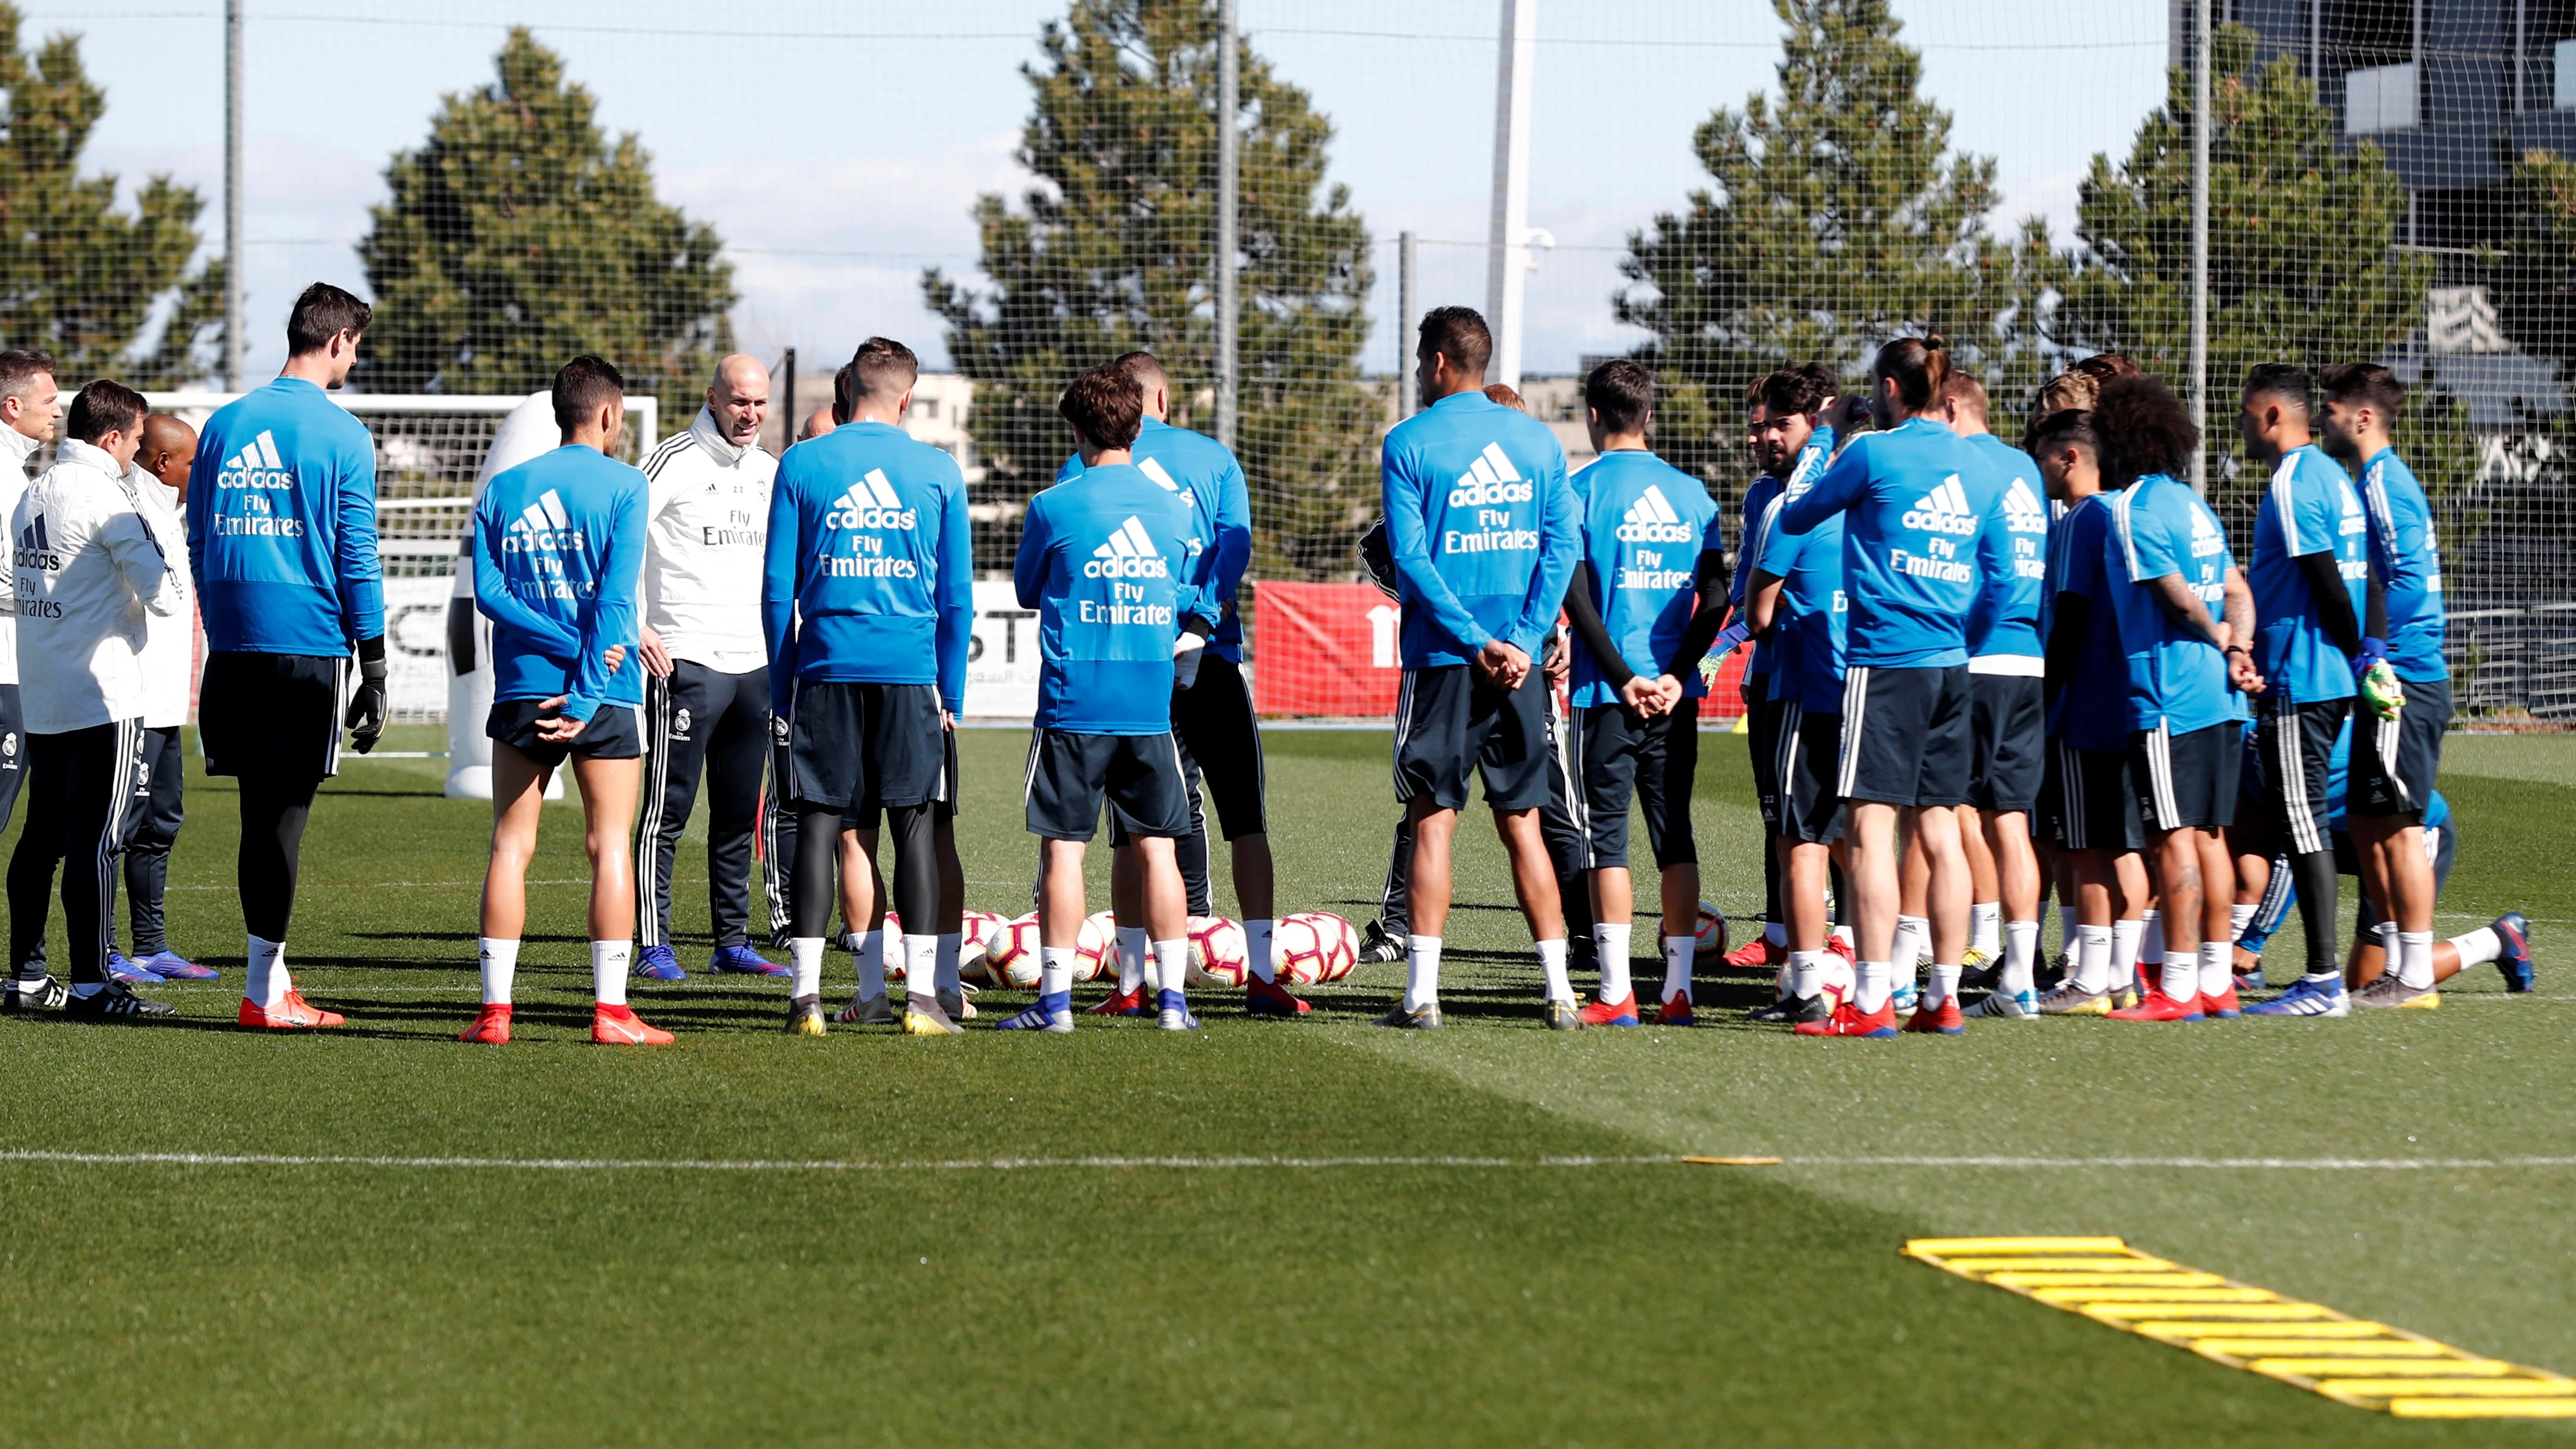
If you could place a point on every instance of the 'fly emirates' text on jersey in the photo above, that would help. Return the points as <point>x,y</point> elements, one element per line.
<point>2176,677</point>
<point>1915,501</point>
<point>2003,630</point>
<point>282,525</point>
<point>871,571</point>
<point>2409,560</point>
<point>1104,560</point>
<point>1645,524</point>
<point>1482,526</point>
<point>558,553</point>
<point>2310,508</point>
<point>1220,516</point>
<point>706,527</point>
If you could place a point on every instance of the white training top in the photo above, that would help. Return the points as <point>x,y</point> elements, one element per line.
<point>169,640</point>
<point>705,532</point>
<point>15,449</point>
<point>88,570</point>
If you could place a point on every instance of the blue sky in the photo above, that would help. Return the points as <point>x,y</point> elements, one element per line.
<point>838,147</point>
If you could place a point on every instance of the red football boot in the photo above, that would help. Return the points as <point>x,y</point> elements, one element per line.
<point>2225,1005</point>
<point>1850,1020</point>
<point>1676,1011</point>
<point>1622,1012</point>
<point>491,1025</point>
<point>1753,955</point>
<point>1943,1019</point>
<point>1261,998</point>
<point>2159,1007</point>
<point>292,1014</point>
<point>620,1026</point>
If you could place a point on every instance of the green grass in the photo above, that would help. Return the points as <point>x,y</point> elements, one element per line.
<point>1523,1302</point>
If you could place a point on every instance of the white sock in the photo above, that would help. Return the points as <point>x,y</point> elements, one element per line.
<point>1422,971</point>
<point>2151,937</point>
<point>1775,933</point>
<point>1913,942</point>
<point>2093,957</point>
<point>2238,918</point>
<point>1171,966</point>
<point>1680,954</point>
<point>805,955</point>
<point>500,969</point>
<point>2217,968</point>
<point>1871,985</point>
<point>2415,959</point>
<point>1055,970</point>
<point>2021,954</point>
<point>943,975</point>
<point>1131,960</point>
<point>2066,924</point>
<point>2181,974</point>
<point>1844,935</point>
<point>2478,947</point>
<point>1551,961</point>
<point>2125,942</point>
<point>1985,927</point>
<point>1256,950</point>
<point>2385,933</point>
<point>872,957</point>
<point>1806,973</point>
<point>1945,984</point>
<point>920,966</point>
<point>609,963</point>
<point>1610,950</point>
<point>266,982</point>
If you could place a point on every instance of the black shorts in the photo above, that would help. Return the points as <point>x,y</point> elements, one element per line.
<point>2008,727</point>
<point>1616,757</point>
<point>1214,720</point>
<point>2186,781</point>
<point>861,748</point>
<point>1451,719</point>
<point>272,716</point>
<point>1810,810</point>
<point>1071,775</point>
<point>2097,809</point>
<point>2394,762</point>
<point>2297,741</point>
<point>1762,740</point>
<point>611,734</point>
<point>1906,736</point>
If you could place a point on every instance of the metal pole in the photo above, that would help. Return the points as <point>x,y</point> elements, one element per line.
<point>1507,266</point>
<point>787,419</point>
<point>1408,307</point>
<point>233,195</point>
<point>1228,111</point>
<point>2200,243</point>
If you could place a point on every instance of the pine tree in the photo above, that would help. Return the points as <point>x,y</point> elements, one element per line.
<point>1838,218</point>
<point>79,278</point>
<point>1113,250</point>
<point>519,236</point>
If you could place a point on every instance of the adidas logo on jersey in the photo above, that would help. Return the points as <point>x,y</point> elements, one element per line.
<point>542,527</point>
<point>1651,519</point>
<point>1153,469</point>
<point>255,466</point>
<point>1943,510</point>
<point>2205,537</point>
<point>36,547</point>
<point>2023,512</point>
<point>1129,554</point>
<point>1491,479</point>
<point>870,503</point>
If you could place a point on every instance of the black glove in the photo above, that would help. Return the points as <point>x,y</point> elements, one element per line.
<point>366,717</point>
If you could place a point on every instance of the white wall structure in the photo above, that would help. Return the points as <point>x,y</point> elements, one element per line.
<point>1508,257</point>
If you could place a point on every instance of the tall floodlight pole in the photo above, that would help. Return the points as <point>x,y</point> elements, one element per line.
<point>1408,315</point>
<point>2200,241</point>
<point>1228,107</point>
<point>233,194</point>
<point>1507,254</point>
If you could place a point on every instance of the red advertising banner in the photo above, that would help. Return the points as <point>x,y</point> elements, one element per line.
<point>1324,649</point>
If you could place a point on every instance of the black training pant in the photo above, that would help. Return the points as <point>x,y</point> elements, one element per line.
<point>701,719</point>
<point>158,814</point>
<point>81,791</point>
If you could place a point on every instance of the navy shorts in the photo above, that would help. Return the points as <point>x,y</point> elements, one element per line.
<point>2186,781</point>
<point>863,748</point>
<point>272,716</point>
<point>611,734</point>
<point>1617,757</point>
<point>1070,776</point>
<point>2095,806</point>
<point>2394,762</point>
<point>1907,736</point>
<point>1451,720</point>
<point>2010,728</point>
<point>1810,810</point>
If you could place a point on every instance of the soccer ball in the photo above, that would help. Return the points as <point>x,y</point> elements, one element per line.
<point>1217,953</point>
<point>1313,947</point>
<point>893,946</point>
<point>1711,932</point>
<point>1011,953</point>
<point>976,936</point>
<point>1838,979</point>
<point>1095,949</point>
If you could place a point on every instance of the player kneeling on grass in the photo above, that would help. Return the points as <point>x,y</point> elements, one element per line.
<point>868,603</point>
<point>1104,559</point>
<point>558,550</point>
<point>1653,544</point>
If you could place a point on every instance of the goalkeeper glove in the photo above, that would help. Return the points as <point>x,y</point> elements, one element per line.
<point>1731,636</point>
<point>366,716</point>
<point>2380,690</point>
<point>1187,651</point>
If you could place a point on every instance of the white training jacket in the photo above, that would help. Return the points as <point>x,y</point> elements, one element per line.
<point>88,571</point>
<point>169,640</point>
<point>15,449</point>
<point>707,527</point>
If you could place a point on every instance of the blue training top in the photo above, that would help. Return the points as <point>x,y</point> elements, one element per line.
<point>2409,560</point>
<point>2310,508</point>
<point>558,556</point>
<point>1104,559</point>
<point>1915,500</point>
<point>2088,712</point>
<point>2005,620</point>
<point>1482,526</point>
<point>2176,677</point>
<point>1645,524</point>
<point>1206,469</point>
<point>870,571</point>
<point>1810,624</point>
<point>1804,469</point>
<point>282,525</point>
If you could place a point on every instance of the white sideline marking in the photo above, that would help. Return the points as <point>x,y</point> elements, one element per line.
<point>2222,1164</point>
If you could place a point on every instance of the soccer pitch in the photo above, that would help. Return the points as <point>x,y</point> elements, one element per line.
<point>1268,1232</point>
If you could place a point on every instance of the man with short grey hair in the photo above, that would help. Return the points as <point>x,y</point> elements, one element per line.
<point>30,406</point>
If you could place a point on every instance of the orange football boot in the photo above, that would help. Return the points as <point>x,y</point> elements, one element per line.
<point>491,1025</point>
<point>620,1026</point>
<point>2159,1007</point>
<point>292,1014</point>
